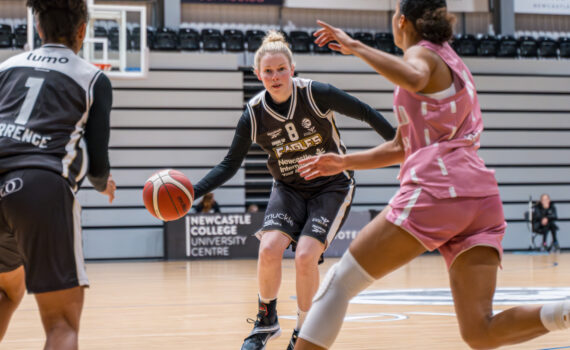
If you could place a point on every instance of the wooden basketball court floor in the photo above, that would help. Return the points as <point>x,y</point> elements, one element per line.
<point>204,305</point>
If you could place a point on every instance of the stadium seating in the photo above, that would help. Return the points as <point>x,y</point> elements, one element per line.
<point>234,39</point>
<point>365,37</point>
<point>547,47</point>
<point>488,46</point>
<point>465,45</point>
<point>188,39</point>
<point>5,35</point>
<point>165,39</point>
<point>507,47</point>
<point>528,47</point>
<point>253,38</point>
<point>321,50</point>
<point>385,42</point>
<point>212,39</point>
<point>300,41</point>
<point>564,47</point>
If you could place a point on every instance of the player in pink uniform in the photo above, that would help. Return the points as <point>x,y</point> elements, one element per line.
<point>448,199</point>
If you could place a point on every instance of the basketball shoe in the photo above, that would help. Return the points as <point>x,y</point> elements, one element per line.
<point>265,327</point>
<point>293,340</point>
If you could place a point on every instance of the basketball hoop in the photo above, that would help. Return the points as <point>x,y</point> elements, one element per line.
<point>105,67</point>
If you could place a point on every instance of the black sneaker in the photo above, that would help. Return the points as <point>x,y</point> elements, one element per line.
<point>293,340</point>
<point>265,327</point>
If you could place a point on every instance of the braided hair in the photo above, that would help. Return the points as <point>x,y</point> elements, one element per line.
<point>430,19</point>
<point>59,20</point>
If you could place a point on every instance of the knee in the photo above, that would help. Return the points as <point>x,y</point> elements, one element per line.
<point>269,253</point>
<point>306,260</point>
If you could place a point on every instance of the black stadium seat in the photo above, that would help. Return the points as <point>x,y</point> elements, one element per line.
<point>234,39</point>
<point>100,32</point>
<point>528,47</point>
<point>385,42</point>
<point>564,47</point>
<point>20,35</point>
<point>488,46</point>
<point>300,41</point>
<point>5,35</point>
<point>547,47</point>
<point>507,46</point>
<point>465,45</point>
<point>365,37</point>
<point>188,39</point>
<point>165,39</point>
<point>211,39</point>
<point>254,38</point>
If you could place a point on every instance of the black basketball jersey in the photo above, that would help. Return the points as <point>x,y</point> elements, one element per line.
<point>45,97</point>
<point>304,132</point>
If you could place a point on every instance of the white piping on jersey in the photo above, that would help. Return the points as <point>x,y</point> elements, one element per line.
<point>408,208</point>
<point>452,192</point>
<point>313,103</point>
<point>414,175</point>
<point>453,131</point>
<point>78,244</point>
<point>442,166</point>
<point>292,106</point>
<point>340,215</point>
<point>75,137</point>
<point>253,123</point>
<point>426,135</point>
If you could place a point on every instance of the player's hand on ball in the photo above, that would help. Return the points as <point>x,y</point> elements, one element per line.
<point>110,189</point>
<point>322,165</point>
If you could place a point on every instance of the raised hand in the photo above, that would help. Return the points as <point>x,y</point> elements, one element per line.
<point>322,165</point>
<point>329,34</point>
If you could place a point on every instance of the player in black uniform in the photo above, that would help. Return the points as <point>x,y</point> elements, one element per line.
<point>54,119</point>
<point>292,119</point>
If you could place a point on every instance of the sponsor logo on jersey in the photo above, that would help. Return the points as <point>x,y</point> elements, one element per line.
<point>11,186</point>
<point>278,219</point>
<point>306,123</point>
<point>275,133</point>
<point>298,146</point>
<point>48,59</point>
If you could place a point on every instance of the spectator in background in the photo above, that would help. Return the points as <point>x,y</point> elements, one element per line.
<point>543,218</point>
<point>207,204</point>
<point>252,208</point>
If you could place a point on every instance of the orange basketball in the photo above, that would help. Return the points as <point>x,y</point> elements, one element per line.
<point>168,194</point>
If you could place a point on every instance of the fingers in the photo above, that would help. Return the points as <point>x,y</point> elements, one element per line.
<point>325,25</point>
<point>335,47</point>
<point>307,160</point>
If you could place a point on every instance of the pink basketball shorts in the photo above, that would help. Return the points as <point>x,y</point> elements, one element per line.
<point>452,225</point>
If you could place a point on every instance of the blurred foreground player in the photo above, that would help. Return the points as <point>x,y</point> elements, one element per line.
<point>54,130</point>
<point>448,199</point>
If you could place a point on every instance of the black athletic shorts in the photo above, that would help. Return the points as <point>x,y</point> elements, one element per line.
<point>40,227</point>
<point>318,214</point>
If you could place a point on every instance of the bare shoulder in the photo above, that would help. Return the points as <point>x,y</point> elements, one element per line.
<point>421,53</point>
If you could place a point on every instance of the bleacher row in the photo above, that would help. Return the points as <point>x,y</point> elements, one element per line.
<point>238,40</point>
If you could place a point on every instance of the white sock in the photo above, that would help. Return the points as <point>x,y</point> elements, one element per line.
<point>265,300</point>
<point>300,318</point>
<point>556,316</point>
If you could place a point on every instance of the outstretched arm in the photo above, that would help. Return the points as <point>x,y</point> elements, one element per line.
<point>411,73</point>
<point>232,161</point>
<point>329,97</point>
<point>386,154</point>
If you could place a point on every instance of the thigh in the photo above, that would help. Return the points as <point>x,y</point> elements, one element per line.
<point>381,247</point>
<point>286,212</point>
<point>55,231</point>
<point>61,306</point>
<point>10,257</point>
<point>473,279</point>
<point>327,211</point>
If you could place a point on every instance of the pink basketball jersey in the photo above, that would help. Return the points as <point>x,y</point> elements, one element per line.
<point>441,137</point>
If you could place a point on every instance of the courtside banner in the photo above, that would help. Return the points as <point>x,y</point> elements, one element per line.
<point>546,7</point>
<point>231,236</point>
<point>237,2</point>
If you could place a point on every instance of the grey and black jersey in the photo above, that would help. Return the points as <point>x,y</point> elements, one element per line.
<point>303,132</point>
<point>54,115</point>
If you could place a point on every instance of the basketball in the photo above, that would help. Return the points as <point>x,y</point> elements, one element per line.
<point>168,195</point>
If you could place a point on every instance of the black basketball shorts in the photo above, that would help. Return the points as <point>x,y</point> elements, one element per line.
<point>318,214</point>
<point>40,226</point>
